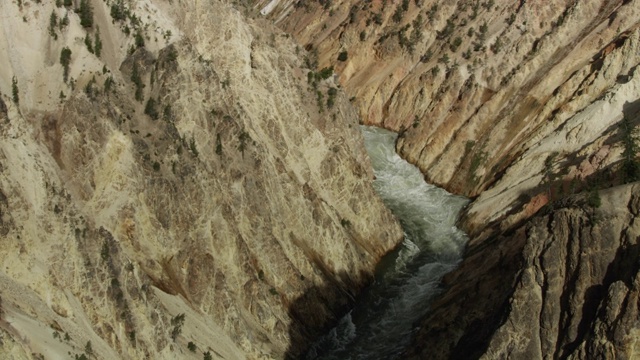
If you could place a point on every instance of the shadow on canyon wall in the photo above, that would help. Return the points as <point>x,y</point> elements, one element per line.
<point>559,191</point>
<point>623,268</point>
<point>320,308</point>
<point>476,302</point>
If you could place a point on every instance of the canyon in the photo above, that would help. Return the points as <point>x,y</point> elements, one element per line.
<point>180,178</point>
<point>530,109</point>
<point>168,190</point>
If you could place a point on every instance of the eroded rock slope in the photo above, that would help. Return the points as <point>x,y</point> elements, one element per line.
<point>169,186</point>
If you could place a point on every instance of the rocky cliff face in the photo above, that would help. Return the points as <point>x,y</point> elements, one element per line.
<point>563,285</point>
<point>168,183</point>
<point>482,93</point>
<point>521,106</point>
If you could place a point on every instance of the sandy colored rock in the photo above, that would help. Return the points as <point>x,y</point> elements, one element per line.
<point>192,178</point>
<point>519,105</point>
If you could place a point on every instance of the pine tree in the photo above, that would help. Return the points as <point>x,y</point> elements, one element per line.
<point>86,14</point>
<point>14,88</point>
<point>137,80</point>
<point>53,22</point>
<point>631,167</point>
<point>88,43</point>
<point>97,46</point>
<point>65,60</point>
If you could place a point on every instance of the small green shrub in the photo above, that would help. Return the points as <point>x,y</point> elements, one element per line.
<point>108,84</point>
<point>447,31</point>
<point>325,73</point>
<point>97,47</point>
<point>331,97</point>
<point>88,348</point>
<point>177,322</point>
<point>65,61</point>
<point>86,14</point>
<point>593,199</point>
<point>455,44</point>
<point>471,31</point>
<point>139,39</point>
<point>320,100</point>
<point>53,23</point>
<point>497,46</point>
<point>64,22</point>
<point>118,11</point>
<point>104,252</point>
<point>172,56</point>
<point>431,14</point>
<point>15,91</point>
<point>137,81</point>
<point>90,89</point>
<point>89,43</point>
<point>151,110</point>
<point>483,30</point>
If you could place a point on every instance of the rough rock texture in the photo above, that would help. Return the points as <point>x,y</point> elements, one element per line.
<point>564,285</point>
<point>519,105</point>
<point>193,175</point>
<point>473,115</point>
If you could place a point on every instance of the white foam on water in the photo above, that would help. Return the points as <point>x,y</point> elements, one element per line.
<point>408,251</point>
<point>385,314</point>
<point>338,338</point>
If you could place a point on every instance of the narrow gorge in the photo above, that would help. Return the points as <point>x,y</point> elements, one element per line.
<point>530,109</point>
<point>184,179</point>
<point>382,321</point>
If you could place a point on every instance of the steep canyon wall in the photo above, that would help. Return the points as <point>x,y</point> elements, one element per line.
<point>169,185</point>
<point>527,107</point>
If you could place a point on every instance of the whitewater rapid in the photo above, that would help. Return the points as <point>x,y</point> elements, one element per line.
<point>380,325</point>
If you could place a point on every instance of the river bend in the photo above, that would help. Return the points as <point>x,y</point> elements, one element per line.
<point>380,325</point>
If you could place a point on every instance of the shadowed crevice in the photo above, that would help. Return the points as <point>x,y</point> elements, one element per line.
<point>319,309</point>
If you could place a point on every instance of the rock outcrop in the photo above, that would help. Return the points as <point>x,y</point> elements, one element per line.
<point>169,186</point>
<point>566,284</point>
<point>521,106</point>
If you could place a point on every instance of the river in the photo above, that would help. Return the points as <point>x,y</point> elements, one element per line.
<point>381,323</point>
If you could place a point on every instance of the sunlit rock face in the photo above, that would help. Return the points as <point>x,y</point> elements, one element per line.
<point>484,93</point>
<point>174,187</point>
<point>523,106</point>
